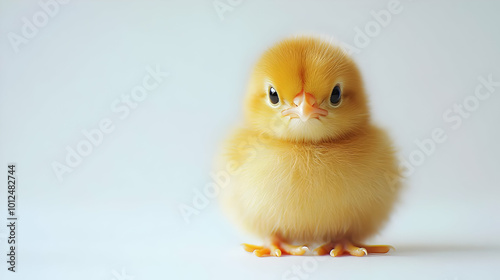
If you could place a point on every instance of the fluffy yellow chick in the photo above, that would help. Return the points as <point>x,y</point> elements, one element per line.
<point>308,165</point>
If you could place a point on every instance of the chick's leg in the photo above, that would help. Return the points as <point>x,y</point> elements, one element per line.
<point>346,247</point>
<point>275,248</point>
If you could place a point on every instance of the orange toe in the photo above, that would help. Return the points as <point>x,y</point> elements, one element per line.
<point>262,252</point>
<point>377,249</point>
<point>250,248</point>
<point>336,249</point>
<point>276,248</point>
<point>355,250</point>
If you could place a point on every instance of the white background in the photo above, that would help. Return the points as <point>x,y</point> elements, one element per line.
<point>118,211</point>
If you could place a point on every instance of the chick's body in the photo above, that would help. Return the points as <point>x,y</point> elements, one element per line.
<point>313,192</point>
<point>310,167</point>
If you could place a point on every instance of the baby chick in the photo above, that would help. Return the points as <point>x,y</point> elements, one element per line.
<point>309,166</point>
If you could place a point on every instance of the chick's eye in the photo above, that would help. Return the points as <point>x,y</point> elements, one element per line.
<point>273,96</point>
<point>335,97</point>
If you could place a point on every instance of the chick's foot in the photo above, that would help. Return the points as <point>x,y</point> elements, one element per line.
<point>275,248</point>
<point>345,247</point>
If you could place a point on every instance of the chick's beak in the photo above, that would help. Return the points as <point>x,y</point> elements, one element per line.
<point>304,107</point>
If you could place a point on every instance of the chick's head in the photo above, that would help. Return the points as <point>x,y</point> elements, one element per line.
<point>306,90</point>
